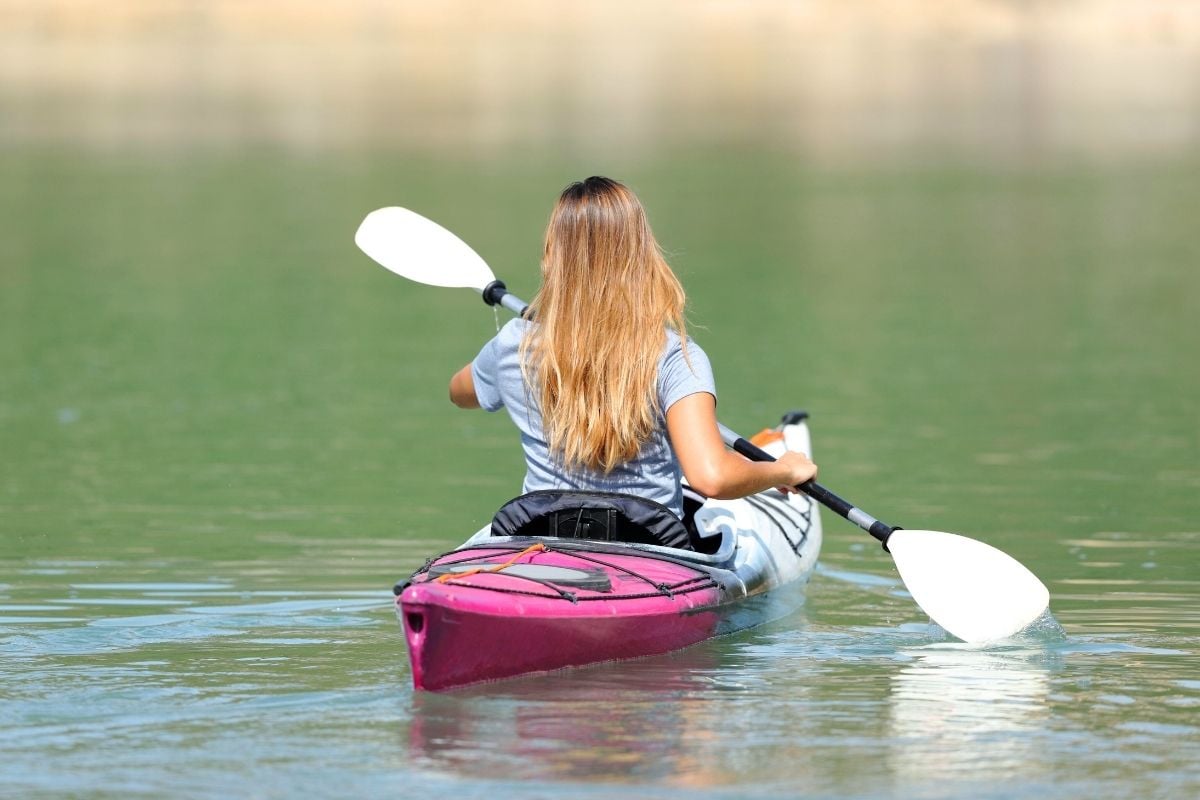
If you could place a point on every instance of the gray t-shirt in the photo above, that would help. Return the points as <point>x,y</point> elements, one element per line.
<point>653,474</point>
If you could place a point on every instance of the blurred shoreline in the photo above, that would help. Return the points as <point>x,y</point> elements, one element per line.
<point>834,82</point>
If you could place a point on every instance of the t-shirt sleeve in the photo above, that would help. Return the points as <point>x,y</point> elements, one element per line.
<point>677,379</point>
<point>485,374</point>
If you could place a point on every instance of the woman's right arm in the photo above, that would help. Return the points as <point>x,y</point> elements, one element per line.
<point>717,472</point>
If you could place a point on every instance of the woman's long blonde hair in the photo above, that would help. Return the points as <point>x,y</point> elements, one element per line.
<point>602,312</point>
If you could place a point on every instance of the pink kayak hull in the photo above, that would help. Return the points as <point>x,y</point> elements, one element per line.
<point>492,625</point>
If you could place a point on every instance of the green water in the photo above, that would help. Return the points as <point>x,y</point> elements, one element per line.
<point>225,434</point>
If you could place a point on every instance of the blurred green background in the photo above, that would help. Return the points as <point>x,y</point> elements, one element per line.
<point>961,234</point>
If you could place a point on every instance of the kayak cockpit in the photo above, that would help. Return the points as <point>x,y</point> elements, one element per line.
<point>722,545</point>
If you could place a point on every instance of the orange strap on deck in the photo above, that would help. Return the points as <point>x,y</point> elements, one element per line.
<point>766,436</point>
<point>533,548</point>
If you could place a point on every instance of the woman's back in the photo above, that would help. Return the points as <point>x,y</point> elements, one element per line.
<point>653,473</point>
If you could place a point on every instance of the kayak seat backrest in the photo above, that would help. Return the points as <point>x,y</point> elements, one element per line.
<point>692,501</point>
<point>597,516</point>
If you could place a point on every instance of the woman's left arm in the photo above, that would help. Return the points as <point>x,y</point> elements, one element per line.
<point>462,389</point>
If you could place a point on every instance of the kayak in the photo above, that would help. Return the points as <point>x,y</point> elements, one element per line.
<point>499,606</point>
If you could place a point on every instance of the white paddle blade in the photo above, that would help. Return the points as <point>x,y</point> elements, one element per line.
<point>971,589</point>
<point>419,249</point>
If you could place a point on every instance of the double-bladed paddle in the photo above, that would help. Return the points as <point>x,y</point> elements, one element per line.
<point>971,589</point>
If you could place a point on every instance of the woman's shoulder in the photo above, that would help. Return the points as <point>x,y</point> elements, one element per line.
<point>680,373</point>
<point>504,345</point>
<point>675,361</point>
<point>674,346</point>
<point>517,325</point>
<point>512,332</point>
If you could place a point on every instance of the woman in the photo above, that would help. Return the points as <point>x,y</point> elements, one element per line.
<point>605,392</point>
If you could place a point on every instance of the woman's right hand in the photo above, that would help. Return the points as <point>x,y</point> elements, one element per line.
<point>724,474</point>
<point>797,469</point>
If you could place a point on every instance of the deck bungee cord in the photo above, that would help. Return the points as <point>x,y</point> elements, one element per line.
<point>446,574</point>
<point>451,576</point>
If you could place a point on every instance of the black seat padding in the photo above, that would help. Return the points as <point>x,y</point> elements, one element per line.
<point>602,516</point>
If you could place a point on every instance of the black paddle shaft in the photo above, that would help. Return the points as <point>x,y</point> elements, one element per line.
<point>816,491</point>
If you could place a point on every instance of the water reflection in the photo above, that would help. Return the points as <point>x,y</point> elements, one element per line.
<point>961,712</point>
<point>645,719</point>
